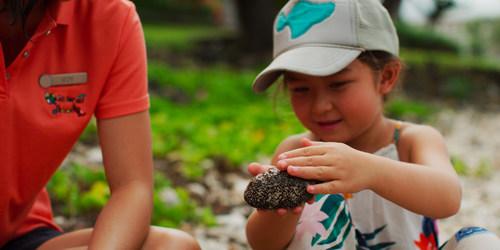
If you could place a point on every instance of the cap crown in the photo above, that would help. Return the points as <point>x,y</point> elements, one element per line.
<point>356,24</point>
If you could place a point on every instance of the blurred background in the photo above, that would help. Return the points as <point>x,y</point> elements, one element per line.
<point>208,124</point>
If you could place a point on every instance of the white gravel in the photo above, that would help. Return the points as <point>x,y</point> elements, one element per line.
<point>474,137</point>
<point>471,136</point>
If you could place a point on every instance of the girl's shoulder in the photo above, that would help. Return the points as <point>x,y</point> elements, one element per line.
<point>411,131</point>
<point>413,137</point>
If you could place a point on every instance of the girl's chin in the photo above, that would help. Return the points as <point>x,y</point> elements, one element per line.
<point>329,137</point>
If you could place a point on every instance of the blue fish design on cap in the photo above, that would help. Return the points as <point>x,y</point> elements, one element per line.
<point>303,16</point>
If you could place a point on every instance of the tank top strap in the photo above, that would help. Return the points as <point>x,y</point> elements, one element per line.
<point>397,132</point>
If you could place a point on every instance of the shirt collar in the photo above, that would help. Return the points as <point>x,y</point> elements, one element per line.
<point>63,11</point>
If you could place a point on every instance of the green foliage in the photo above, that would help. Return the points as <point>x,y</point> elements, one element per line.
<point>495,36</point>
<point>79,188</point>
<point>424,39</point>
<point>82,191</point>
<point>182,209</point>
<point>179,11</point>
<point>448,61</point>
<point>404,109</point>
<point>96,197</point>
<point>458,88</point>
<point>167,3</point>
<point>206,216</point>
<point>218,117</point>
<point>89,135</point>
<point>179,38</point>
<point>484,169</point>
<point>460,166</point>
<point>477,39</point>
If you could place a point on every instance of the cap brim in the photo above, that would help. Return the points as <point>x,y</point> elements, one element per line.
<point>317,61</point>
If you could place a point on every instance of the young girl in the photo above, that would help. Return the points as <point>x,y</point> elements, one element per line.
<point>383,182</point>
<point>62,63</point>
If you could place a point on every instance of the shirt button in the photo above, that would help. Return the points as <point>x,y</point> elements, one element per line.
<point>26,54</point>
<point>48,32</point>
<point>7,75</point>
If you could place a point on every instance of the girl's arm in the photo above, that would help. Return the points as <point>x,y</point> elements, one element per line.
<point>271,229</point>
<point>268,230</point>
<point>427,184</point>
<point>424,182</point>
<point>126,147</point>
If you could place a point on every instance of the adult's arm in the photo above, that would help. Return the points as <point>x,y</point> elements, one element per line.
<point>126,146</point>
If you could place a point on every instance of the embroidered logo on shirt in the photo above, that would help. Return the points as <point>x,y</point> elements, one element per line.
<point>66,104</point>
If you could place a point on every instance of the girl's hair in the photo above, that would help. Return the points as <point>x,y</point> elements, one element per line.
<point>19,10</point>
<point>376,59</point>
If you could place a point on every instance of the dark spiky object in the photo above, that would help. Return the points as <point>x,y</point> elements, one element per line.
<point>276,189</point>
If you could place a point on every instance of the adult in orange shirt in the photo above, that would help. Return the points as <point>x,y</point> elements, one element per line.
<point>64,62</point>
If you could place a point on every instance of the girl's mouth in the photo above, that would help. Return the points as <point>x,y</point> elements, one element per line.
<point>329,124</point>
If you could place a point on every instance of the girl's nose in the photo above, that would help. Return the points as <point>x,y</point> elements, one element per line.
<point>322,103</point>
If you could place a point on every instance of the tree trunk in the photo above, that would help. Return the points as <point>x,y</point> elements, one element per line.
<point>256,19</point>
<point>441,7</point>
<point>393,7</point>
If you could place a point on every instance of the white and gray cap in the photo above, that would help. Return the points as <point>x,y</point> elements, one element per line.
<point>321,37</point>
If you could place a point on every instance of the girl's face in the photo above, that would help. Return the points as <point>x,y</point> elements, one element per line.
<point>338,107</point>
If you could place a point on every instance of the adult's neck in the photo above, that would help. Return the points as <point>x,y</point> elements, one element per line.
<point>12,20</point>
<point>13,35</point>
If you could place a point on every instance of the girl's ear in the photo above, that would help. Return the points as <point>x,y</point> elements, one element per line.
<point>389,77</point>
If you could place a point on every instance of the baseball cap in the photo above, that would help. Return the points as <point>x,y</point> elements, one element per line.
<point>321,37</point>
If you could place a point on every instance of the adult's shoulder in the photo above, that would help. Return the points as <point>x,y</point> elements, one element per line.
<point>103,12</point>
<point>104,26</point>
<point>101,6</point>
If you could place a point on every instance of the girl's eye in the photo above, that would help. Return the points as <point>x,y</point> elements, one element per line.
<point>299,89</point>
<point>339,85</point>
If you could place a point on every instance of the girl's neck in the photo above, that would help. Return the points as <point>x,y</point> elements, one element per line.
<point>378,135</point>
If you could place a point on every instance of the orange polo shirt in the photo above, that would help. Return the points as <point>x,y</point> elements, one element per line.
<point>86,58</point>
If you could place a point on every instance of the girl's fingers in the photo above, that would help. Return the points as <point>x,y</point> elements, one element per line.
<point>315,160</point>
<point>257,168</point>
<point>297,210</point>
<point>331,187</point>
<point>310,201</point>
<point>281,211</point>
<point>306,142</point>
<point>319,173</point>
<point>306,151</point>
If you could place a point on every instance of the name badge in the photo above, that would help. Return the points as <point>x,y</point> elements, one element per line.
<point>47,81</point>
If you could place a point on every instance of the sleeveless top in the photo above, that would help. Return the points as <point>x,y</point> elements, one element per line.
<point>363,220</point>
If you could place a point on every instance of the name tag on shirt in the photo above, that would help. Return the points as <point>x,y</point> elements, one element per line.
<point>47,80</point>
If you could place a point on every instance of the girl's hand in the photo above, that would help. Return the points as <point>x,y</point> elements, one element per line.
<point>341,168</point>
<point>257,168</point>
